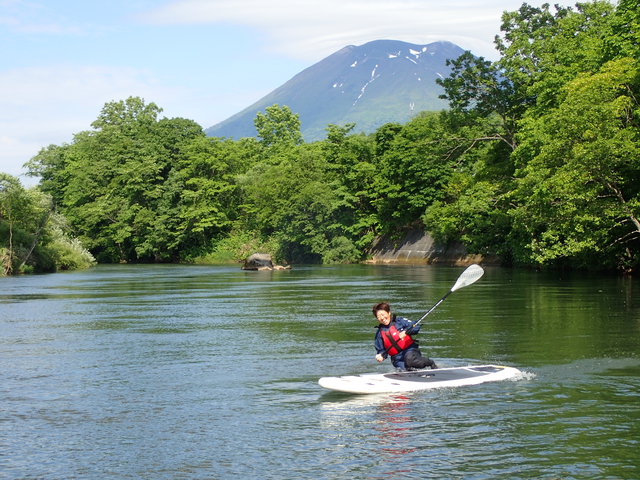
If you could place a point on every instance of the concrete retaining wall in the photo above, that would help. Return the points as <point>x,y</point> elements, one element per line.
<point>418,247</point>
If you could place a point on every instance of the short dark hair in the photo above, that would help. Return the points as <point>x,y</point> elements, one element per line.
<point>381,306</point>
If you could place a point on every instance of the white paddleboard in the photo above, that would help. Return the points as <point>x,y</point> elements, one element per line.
<point>418,380</point>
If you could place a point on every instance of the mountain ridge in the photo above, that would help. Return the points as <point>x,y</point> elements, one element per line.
<point>378,82</point>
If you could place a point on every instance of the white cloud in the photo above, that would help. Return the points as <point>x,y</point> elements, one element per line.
<point>43,102</point>
<point>40,106</point>
<point>313,29</point>
<point>35,18</point>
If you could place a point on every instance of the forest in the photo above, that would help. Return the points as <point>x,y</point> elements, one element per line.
<point>536,161</point>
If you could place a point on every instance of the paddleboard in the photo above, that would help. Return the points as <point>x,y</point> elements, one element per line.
<point>419,379</point>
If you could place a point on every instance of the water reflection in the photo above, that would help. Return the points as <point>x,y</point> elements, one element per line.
<point>393,426</point>
<point>386,429</point>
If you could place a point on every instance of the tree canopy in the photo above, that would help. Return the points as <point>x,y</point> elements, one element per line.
<point>33,236</point>
<point>536,161</point>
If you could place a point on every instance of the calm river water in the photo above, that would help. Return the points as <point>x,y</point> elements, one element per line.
<point>207,372</point>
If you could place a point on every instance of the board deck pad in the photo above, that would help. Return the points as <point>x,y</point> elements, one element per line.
<point>418,380</point>
<point>442,375</point>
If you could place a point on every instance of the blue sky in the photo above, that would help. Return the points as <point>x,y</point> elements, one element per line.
<point>62,60</point>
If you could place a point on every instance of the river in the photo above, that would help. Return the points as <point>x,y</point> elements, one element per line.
<point>210,372</point>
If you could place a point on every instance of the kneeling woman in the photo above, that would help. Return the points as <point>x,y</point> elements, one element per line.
<point>394,338</point>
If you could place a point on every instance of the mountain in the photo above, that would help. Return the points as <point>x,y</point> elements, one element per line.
<point>369,85</point>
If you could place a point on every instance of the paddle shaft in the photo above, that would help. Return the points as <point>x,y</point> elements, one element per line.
<point>433,308</point>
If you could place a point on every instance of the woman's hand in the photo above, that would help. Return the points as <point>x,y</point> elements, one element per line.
<point>379,358</point>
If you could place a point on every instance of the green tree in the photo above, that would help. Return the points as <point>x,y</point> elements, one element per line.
<point>351,161</point>
<point>24,217</point>
<point>301,203</point>
<point>478,89</point>
<point>542,50</point>
<point>209,199</point>
<point>624,38</point>
<point>297,193</point>
<point>278,126</point>
<point>117,184</point>
<point>579,182</point>
<point>127,115</point>
<point>571,122</point>
<point>50,166</point>
<point>13,207</point>
<point>418,164</point>
<point>473,208</point>
<point>33,236</point>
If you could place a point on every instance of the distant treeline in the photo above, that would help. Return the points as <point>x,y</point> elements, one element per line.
<point>537,161</point>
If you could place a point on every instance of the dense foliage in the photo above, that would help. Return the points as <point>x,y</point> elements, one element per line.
<point>537,161</point>
<point>33,236</point>
<point>568,87</point>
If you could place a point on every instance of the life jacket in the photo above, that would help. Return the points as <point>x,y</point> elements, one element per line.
<point>392,342</point>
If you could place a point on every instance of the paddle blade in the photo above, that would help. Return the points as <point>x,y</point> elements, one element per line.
<point>471,275</point>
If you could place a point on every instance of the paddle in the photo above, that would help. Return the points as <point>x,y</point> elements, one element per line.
<point>471,275</point>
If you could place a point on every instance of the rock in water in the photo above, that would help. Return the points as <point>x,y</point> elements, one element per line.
<point>258,261</point>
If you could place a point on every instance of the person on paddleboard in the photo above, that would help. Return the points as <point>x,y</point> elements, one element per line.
<point>394,337</point>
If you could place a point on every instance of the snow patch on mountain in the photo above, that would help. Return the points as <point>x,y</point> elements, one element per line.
<point>374,75</point>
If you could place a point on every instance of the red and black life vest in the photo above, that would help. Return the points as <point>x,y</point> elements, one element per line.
<point>392,342</point>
